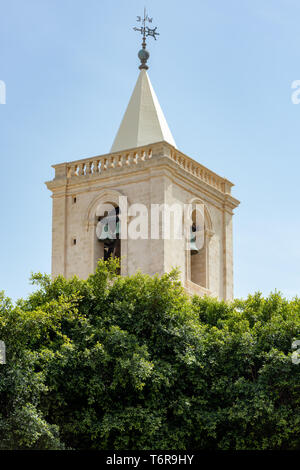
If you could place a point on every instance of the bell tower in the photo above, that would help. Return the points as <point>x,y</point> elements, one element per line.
<point>116,204</point>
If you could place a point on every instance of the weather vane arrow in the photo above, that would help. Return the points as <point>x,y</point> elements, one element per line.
<point>145,32</point>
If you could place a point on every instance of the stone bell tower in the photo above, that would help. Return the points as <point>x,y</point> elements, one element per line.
<point>145,167</point>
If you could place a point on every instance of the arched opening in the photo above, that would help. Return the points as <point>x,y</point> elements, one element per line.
<point>107,242</point>
<point>198,254</point>
<point>103,203</point>
<point>198,262</point>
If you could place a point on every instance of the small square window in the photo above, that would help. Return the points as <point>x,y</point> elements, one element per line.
<point>74,199</point>
<point>74,241</point>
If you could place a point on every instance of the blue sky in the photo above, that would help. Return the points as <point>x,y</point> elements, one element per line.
<point>222,72</point>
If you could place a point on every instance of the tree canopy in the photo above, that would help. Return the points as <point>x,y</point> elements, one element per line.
<point>133,363</point>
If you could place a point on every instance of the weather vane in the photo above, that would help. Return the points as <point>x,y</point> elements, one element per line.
<point>145,32</point>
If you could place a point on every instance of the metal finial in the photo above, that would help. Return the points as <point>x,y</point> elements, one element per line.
<point>145,31</point>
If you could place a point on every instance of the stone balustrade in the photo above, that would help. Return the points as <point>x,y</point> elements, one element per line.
<point>200,171</point>
<point>100,164</point>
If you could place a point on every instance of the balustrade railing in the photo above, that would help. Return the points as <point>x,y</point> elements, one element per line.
<point>99,165</point>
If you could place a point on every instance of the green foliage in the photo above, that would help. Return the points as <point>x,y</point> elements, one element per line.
<point>133,363</point>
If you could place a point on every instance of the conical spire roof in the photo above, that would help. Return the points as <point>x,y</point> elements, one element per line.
<point>143,122</point>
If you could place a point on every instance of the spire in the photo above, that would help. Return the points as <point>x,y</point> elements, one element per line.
<point>143,122</point>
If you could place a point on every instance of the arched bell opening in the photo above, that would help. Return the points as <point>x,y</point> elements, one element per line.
<point>108,243</point>
<point>198,251</point>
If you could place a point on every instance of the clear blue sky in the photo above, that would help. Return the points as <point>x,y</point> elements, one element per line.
<point>222,72</point>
